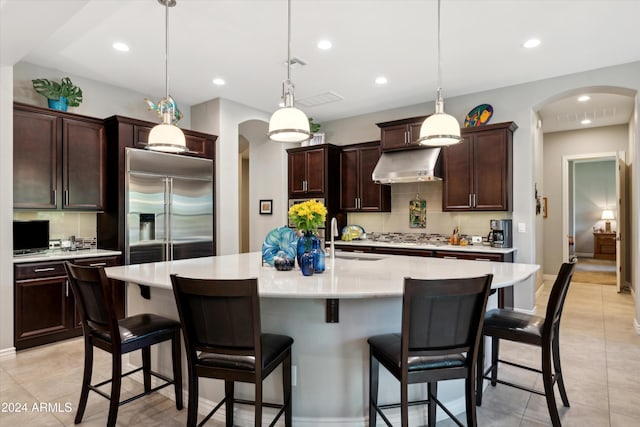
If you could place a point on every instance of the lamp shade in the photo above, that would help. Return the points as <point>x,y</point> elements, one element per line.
<point>289,124</point>
<point>168,138</point>
<point>439,130</point>
<point>607,214</point>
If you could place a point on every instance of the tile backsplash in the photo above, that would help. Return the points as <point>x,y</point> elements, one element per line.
<point>63,224</point>
<point>438,222</point>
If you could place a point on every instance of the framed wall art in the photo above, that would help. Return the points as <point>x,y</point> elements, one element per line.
<point>266,207</point>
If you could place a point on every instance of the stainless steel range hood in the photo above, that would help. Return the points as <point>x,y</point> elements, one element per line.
<point>407,166</point>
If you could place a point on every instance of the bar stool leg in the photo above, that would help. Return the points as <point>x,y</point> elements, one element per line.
<point>177,369</point>
<point>495,350</point>
<point>547,378</point>
<point>480,371</point>
<point>373,389</point>
<point>258,409</point>
<point>86,380</point>
<point>432,391</point>
<point>192,410</point>
<point>470,400</point>
<point>404,403</point>
<point>558,369</point>
<point>286,387</point>
<point>116,381</point>
<point>228,395</point>
<point>146,368</point>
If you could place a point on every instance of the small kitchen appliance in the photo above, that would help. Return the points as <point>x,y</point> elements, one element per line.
<point>500,235</point>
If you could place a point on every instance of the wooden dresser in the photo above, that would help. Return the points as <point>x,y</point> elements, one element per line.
<point>604,245</point>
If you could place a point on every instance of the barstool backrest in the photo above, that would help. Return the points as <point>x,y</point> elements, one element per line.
<point>219,316</point>
<point>443,316</point>
<point>558,294</point>
<point>93,294</point>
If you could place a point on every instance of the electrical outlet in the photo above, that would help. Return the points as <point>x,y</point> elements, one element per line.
<point>294,375</point>
<point>476,239</point>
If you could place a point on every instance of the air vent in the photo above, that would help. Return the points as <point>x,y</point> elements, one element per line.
<point>321,99</point>
<point>295,62</point>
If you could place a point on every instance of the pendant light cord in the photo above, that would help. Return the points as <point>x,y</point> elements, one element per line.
<point>289,41</point>
<point>439,66</point>
<point>166,48</point>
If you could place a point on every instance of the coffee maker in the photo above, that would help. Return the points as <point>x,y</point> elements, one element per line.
<point>500,235</point>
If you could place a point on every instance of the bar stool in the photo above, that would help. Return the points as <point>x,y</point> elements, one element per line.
<point>441,320</point>
<point>544,332</point>
<point>223,338</point>
<point>93,294</point>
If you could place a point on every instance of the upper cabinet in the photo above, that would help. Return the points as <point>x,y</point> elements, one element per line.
<point>478,173</point>
<point>308,170</point>
<point>400,134</point>
<point>358,192</point>
<point>59,160</point>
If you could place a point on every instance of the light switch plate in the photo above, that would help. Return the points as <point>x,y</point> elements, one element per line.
<point>522,227</point>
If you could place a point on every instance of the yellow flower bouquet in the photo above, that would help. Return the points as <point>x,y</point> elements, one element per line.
<point>308,216</point>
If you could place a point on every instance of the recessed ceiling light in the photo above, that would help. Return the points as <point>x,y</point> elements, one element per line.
<point>584,98</point>
<point>324,44</point>
<point>119,46</point>
<point>218,81</point>
<point>586,122</point>
<point>281,104</point>
<point>381,80</point>
<point>531,43</point>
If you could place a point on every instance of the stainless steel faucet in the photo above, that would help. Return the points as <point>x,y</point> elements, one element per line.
<point>334,233</point>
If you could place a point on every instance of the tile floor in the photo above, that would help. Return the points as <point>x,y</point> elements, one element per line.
<point>599,348</point>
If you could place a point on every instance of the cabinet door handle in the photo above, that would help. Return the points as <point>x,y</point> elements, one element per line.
<point>42,270</point>
<point>475,202</point>
<point>450,257</point>
<point>66,288</point>
<point>66,197</point>
<point>98,264</point>
<point>482,259</point>
<point>470,202</point>
<point>55,196</point>
<point>406,137</point>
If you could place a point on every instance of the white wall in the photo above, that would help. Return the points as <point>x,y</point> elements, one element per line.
<point>6,210</point>
<point>99,99</point>
<point>557,145</point>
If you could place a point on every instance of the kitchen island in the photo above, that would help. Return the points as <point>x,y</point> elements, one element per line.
<point>330,359</point>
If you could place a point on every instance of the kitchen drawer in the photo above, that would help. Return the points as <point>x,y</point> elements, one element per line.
<point>98,262</point>
<point>403,251</point>
<point>37,270</point>
<point>470,256</point>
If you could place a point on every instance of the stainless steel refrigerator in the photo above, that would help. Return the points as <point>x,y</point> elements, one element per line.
<point>169,207</point>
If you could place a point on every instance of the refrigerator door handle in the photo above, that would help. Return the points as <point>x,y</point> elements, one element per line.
<point>167,219</point>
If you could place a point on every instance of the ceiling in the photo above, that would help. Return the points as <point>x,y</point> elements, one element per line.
<point>245,43</point>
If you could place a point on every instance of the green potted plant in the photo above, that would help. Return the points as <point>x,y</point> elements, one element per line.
<point>59,95</point>
<point>317,137</point>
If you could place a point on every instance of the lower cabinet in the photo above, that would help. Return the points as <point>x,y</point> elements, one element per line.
<point>474,256</point>
<point>45,309</point>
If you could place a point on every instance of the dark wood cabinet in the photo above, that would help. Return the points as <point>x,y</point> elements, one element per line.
<point>478,173</point>
<point>59,160</point>
<point>400,134</point>
<point>358,192</point>
<point>45,310</point>
<point>474,256</point>
<point>604,245</point>
<point>307,172</point>
<point>314,173</point>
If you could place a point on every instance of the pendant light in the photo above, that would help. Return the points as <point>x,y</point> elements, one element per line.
<point>166,136</point>
<point>288,124</point>
<point>439,129</point>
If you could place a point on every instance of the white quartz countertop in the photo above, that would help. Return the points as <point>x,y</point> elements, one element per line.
<point>348,276</point>
<point>426,246</point>
<point>55,255</point>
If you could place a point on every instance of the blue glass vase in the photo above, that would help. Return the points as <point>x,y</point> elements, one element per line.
<point>318,256</point>
<point>306,264</point>
<point>305,244</point>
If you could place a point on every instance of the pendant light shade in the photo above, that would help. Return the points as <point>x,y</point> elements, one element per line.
<point>167,136</point>
<point>439,129</point>
<point>289,124</point>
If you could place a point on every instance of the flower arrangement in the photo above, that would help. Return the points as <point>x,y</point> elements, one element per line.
<point>308,216</point>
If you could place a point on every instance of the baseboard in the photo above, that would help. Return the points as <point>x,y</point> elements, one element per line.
<point>8,352</point>
<point>550,277</point>
<point>584,254</point>
<point>244,417</point>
